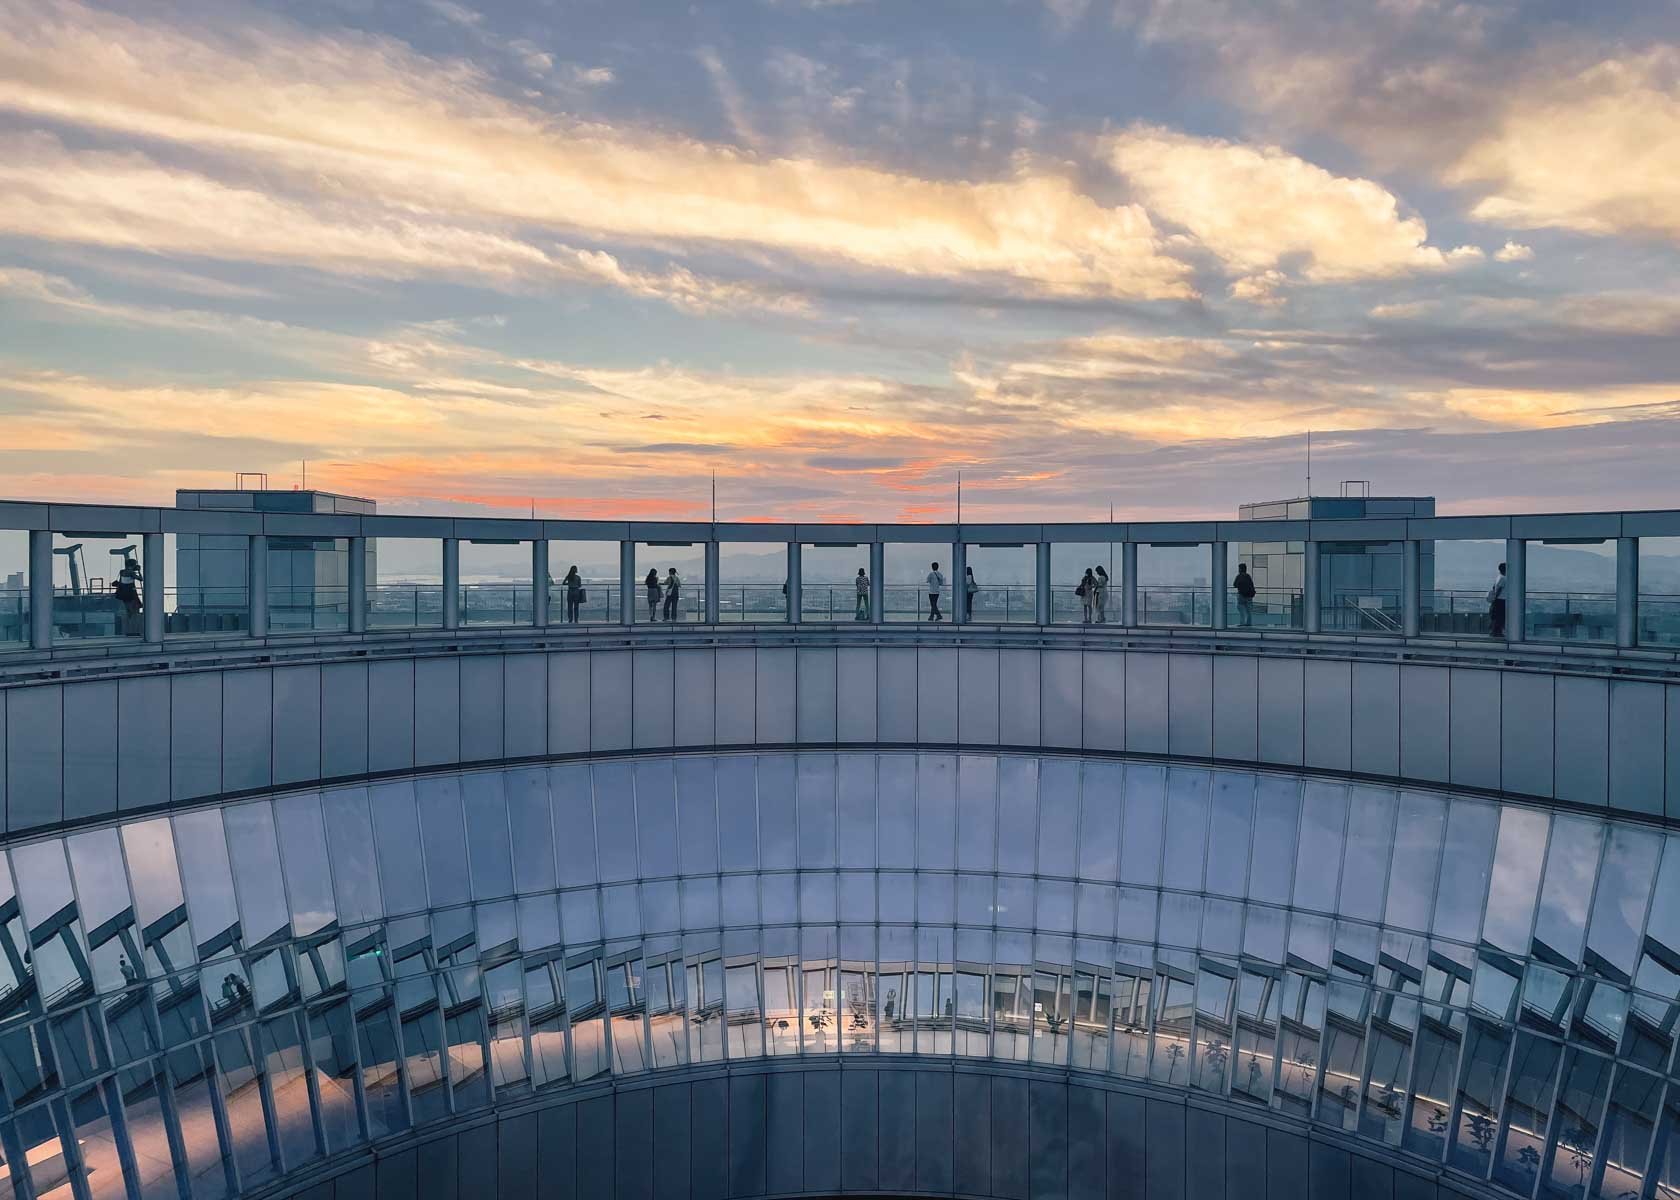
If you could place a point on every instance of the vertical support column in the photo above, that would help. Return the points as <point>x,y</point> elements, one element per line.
<point>451,583</point>
<point>40,589</point>
<point>256,576</point>
<point>1309,587</point>
<point>1043,598</point>
<point>795,601</point>
<point>1411,600</point>
<point>959,581</point>
<point>713,584</point>
<point>539,582</point>
<point>152,586</point>
<point>1128,584</point>
<point>627,583</point>
<point>1627,592</point>
<point>1217,597</point>
<point>358,585</point>
<point>877,581</point>
<point>1516,588</point>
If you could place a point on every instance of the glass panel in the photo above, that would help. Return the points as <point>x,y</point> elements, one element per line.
<point>1270,596</point>
<point>1359,586</point>
<point>1461,587</point>
<point>355,868</point>
<point>1628,1126</point>
<point>1174,584</point>
<point>916,573</point>
<point>1515,885</point>
<point>1318,853</point>
<point>489,853</point>
<point>834,582</point>
<point>583,582</point>
<point>1000,584</point>
<point>1417,855</point>
<point>14,589</point>
<point>308,584</point>
<point>1466,861</point>
<point>409,593</point>
<point>332,1047</point>
<point>817,831</point>
<point>1659,592</point>
<point>671,580</point>
<point>1528,1101</point>
<point>495,582</point>
<point>443,839</point>
<point>98,586</point>
<point>207,587</point>
<point>1580,1105</point>
<point>1571,864</point>
<point>1570,591</point>
<point>1078,591</point>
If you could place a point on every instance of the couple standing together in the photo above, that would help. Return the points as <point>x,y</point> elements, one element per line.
<point>670,590</point>
<point>1093,594</point>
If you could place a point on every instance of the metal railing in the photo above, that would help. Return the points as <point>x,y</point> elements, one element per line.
<point>14,616</point>
<point>597,603</point>
<point>405,606</point>
<point>1271,608</point>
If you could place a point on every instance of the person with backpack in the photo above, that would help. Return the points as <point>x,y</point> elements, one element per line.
<point>862,613</point>
<point>652,585</point>
<point>1086,593</point>
<point>1244,585</point>
<point>935,589</point>
<point>673,589</point>
<point>1496,605</point>
<point>969,588</point>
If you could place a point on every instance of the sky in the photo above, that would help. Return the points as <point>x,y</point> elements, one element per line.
<point>578,256</point>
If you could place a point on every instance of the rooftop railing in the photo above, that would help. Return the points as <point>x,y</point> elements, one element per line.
<point>140,602</point>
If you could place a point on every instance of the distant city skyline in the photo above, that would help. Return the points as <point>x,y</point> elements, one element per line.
<point>486,257</point>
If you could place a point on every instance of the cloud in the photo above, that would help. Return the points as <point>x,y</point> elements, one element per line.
<point>1260,207</point>
<point>1514,252</point>
<point>1597,151</point>
<point>128,201</point>
<point>366,152</point>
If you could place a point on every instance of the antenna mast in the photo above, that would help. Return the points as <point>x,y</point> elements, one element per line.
<point>1309,464</point>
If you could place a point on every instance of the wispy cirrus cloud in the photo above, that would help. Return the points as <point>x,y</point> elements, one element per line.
<point>372,153</point>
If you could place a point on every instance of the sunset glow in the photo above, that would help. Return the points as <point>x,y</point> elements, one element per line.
<point>501,256</point>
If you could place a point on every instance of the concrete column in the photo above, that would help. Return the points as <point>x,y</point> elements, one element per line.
<point>1128,584</point>
<point>1043,598</point>
<point>1516,588</point>
<point>1411,600</point>
<point>1627,592</point>
<point>795,608</point>
<point>959,581</point>
<point>627,583</point>
<point>451,583</point>
<point>256,575</point>
<point>41,589</point>
<point>1309,587</point>
<point>358,585</point>
<point>1220,575</point>
<point>712,584</point>
<point>877,581</point>
<point>154,562</point>
<point>539,582</point>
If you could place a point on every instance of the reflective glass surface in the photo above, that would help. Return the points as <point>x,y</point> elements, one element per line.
<point>223,995</point>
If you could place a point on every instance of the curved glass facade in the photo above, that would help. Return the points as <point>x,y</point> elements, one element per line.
<point>197,1003</point>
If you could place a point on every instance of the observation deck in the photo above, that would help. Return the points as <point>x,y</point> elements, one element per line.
<point>360,855</point>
